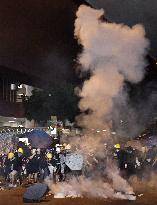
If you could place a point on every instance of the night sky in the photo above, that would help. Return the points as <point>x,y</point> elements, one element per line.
<point>36,37</point>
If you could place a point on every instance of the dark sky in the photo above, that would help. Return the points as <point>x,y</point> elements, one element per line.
<point>132,12</point>
<point>37,36</point>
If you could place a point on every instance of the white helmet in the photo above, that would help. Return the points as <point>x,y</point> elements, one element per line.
<point>38,151</point>
<point>68,147</point>
<point>58,149</point>
<point>33,151</point>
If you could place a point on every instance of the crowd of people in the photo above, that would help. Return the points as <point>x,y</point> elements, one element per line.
<point>136,161</point>
<point>30,165</point>
<point>33,165</point>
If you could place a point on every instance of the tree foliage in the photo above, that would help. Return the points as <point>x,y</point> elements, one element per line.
<point>58,100</point>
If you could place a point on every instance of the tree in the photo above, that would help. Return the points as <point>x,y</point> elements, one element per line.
<point>59,100</point>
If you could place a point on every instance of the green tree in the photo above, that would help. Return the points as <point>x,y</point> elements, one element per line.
<point>59,100</point>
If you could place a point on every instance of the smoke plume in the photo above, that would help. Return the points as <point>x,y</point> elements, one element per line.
<point>113,53</point>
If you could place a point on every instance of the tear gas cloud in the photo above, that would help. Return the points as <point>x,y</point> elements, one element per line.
<point>133,114</point>
<point>77,187</point>
<point>113,53</point>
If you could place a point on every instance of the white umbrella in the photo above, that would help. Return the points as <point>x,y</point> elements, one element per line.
<point>74,161</point>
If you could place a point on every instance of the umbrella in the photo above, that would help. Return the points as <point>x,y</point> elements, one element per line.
<point>39,139</point>
<point>35,193</point>
<point>74,161</point>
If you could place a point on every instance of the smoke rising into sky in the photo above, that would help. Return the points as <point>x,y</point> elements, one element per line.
<point>113,53</point>
<point>131,13</point>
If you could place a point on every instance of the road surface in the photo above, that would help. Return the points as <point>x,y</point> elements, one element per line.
<point>14,197</point>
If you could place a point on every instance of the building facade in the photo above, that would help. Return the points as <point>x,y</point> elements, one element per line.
<point>13,87</point>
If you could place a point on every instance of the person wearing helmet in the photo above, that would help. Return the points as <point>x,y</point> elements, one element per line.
<point>68,148</point>
<point>64,144</point>
<point>19,157</point>
<point>120,156</point>
<point>10,155</point>
<point>33,166</point>
<point>56,156</point>
<point>116,151</point>
<point>7,165</point>
<point>49,156</point>
<point>62,149</point>
<point>11,171</point>
<point>117,146</point>
<point>52,166</point>
<point>20,150</point>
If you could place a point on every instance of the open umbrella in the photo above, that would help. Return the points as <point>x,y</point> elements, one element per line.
<point>35,193</point>
<point>39,139</point>
<point>74,161</point>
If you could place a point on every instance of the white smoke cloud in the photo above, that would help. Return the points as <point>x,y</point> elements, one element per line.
<point>112,53</point>
<point>85,187</point>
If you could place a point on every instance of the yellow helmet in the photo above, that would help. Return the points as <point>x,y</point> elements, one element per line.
<point>20,150</point>
<point>10,155</point>
<point>117,146</point>
<point>68,147</point>
<point>49,155</point>
<point>30,147</point>
<point>62,148</point>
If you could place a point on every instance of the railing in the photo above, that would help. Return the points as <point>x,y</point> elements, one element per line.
<point>9,137</point>
<point>20,130</point>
